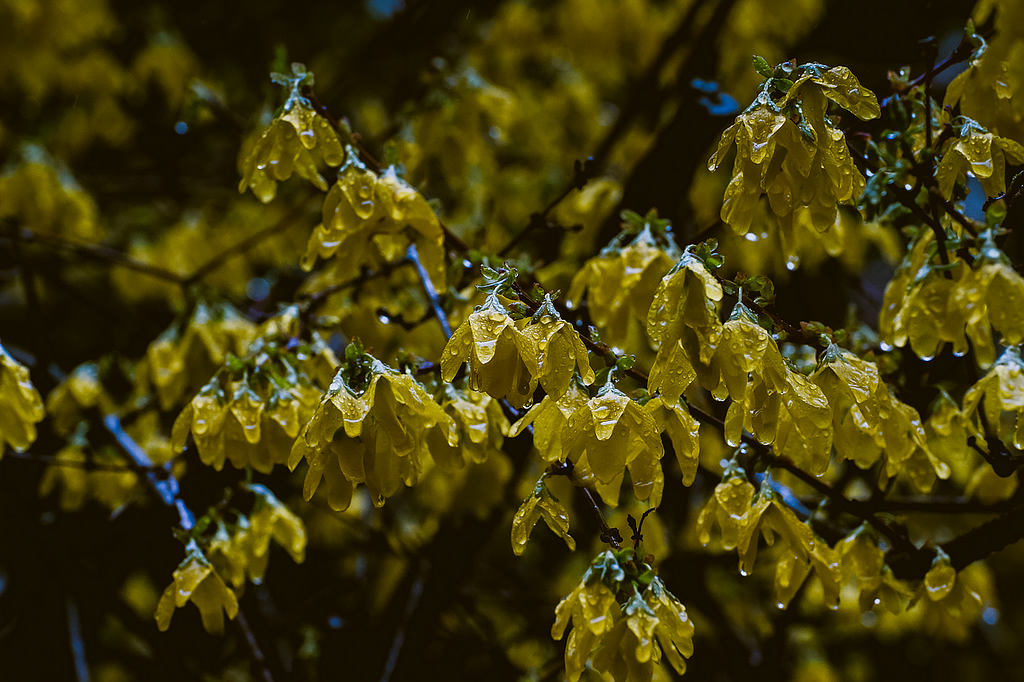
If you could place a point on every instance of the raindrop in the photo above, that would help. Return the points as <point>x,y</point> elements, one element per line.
<point>882,345</point>
<point>181,127</point>
<point>868,619</point>
<point>990,616</point>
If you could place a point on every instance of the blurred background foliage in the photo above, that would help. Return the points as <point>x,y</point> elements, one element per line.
<point>122,124</point>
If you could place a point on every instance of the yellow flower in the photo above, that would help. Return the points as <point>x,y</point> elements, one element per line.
<point>868,419</point>
<point>623,621</point>
<point>252,409</point>
<point>195,580</point>
<point>997,399</point>
<point>788,149</point>
<point>80,390</point>
<point>294,142</point>
<point>777,405</point>
<point>482,429</point>
<point>983,154</point>
<point>377,436</point>
<point>620,284</point>
<point>541,504</point>
<point>369,218</point>
<point>499,356</point>
<point>245,549</point>
<point>605,435</point>
<point>989,90</point>
<point>179,362</point>
<point>683,431</point>
<point>20,404</point>
<point>557,350</point>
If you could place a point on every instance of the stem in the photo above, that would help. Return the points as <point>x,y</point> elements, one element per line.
<point>435,301</point>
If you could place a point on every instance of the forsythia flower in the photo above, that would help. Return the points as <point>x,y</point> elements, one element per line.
<point>864,562</point>
<point>507,358</point>
<point>620,283</point>
<point>20,404</point>
<point>989,90</point>
<point>997,400</point>
<point>868,420</point>
<point>196,580</point>
<point>683,431</point>
<point>683,322</point>
<point>252,409</point>
<point>744,517</point>
<point>980,152</point>
<point>375,433</point>
<point>953,601</point>
<point>787,148</point>
<point>928,309</point>
<point>606,435</point>
<point>246,550</point>
<point>294,142</point>
<point>180,362</point>
<point>541,504</point>
<point>365,217</point>
<point>482,429</point>
<point>623,621</point>
<point>777,405</point>
<point>80,390</point>
<point>43,198</point>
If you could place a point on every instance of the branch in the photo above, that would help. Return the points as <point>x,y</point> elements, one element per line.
<point>583,172</point>
<point>97,252</point>
<point>159,478</point>
<point>242,246</point>
<point>254,646</point>
<point>428,287</point>
<point>88,465</point>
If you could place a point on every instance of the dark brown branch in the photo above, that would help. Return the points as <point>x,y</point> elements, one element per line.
<point>88,465</point>
<point>98,252</point>
<point>584,171</point>
<point>244,245</point>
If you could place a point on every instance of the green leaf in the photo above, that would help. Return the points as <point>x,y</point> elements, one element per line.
<point>762,67</point>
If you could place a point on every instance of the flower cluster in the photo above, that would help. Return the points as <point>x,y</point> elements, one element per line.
<point>602,436</point>
<point>20,404</point>
<point>179,362</point>
<point>196,581</point>
<point>508,358</point>
<point>624,621</point>
<point>372,218</point>
<point>371,427</point>
<point>294,142</point>
<point>790,150</point>
<point>241,549</point>
<point>931,306</point>
<point>621,281</point>
<point>251,410</point>
<point>744,515</point>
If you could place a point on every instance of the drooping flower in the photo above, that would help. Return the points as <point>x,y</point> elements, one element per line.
<point>21,406</point>
<point>624,620</point>
<point>371,427</point>
<point>294,142</point>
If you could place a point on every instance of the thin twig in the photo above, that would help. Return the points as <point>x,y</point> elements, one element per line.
<point>435,301</point>
<point>415,592</point>
<point>160,479</point>
<point>254,646</point>
<point>244,245</point>
<point>77,642</point>
<point>88,465</point>
<point>98,252</point>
